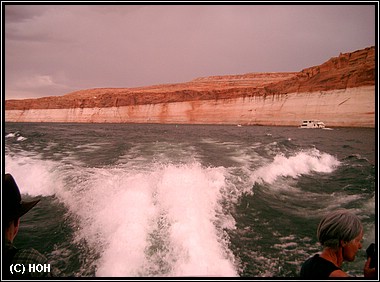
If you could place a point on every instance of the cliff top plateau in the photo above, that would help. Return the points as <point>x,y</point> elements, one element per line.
<point>345,71</point>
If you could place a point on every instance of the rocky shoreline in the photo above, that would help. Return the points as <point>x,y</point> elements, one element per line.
<point>340,92</point>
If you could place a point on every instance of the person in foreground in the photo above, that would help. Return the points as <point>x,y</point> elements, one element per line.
<point>16,261</point>
<point>340,233</point>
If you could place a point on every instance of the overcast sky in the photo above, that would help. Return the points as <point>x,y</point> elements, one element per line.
<point>54,50</point>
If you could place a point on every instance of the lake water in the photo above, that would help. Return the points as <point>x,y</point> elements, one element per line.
<point>149,200</point>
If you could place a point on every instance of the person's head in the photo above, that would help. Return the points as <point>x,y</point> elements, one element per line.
<point>13,207</point>
<point>341,229</point>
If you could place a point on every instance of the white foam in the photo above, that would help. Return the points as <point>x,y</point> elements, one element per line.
<point>148,219</point>
<point>33,176</point>
<point>193,208</point>
<point>160,220</point>
<point>11,135</point>
<point>16,134</point>
<point>303,162</point>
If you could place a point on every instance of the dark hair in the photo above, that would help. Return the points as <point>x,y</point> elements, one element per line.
<point>7,223</point>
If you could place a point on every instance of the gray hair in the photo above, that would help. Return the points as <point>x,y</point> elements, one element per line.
<point>336,226</point>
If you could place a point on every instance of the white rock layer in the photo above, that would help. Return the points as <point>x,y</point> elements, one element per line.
<point>352,107</point>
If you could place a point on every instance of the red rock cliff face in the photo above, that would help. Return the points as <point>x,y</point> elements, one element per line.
<point>207,88</point>
<point>350,70</point>
<point>346,71</point>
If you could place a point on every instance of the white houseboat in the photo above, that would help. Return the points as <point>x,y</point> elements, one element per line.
<point>312,124</point>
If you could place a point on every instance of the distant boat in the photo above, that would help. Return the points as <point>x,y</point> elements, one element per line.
<point>239,125</point>
<point>312,124</point>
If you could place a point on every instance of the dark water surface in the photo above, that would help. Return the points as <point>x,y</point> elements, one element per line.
<point>187,200</point>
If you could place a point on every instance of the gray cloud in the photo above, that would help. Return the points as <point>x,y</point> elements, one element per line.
<point>53,50</point>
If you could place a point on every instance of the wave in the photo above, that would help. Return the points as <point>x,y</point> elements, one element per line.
<point>167,220</point>
<point>16,135</point>
<point>156,219</point>
<point>41,175</point>
<point>303,162</point>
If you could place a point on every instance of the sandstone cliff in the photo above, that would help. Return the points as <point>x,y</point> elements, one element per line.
<point>340,92</point>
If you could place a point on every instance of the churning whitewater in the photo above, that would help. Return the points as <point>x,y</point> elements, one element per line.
<point>163,201</point>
